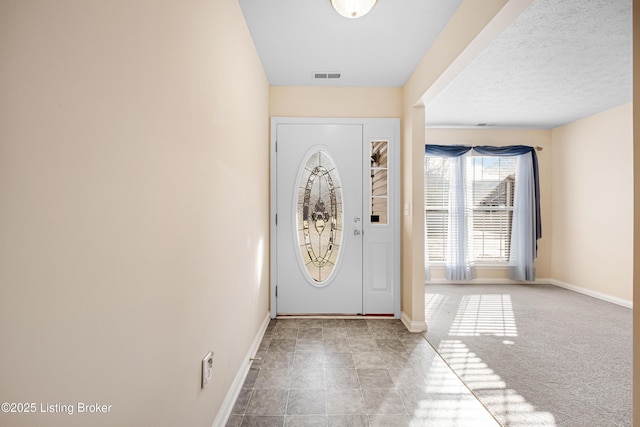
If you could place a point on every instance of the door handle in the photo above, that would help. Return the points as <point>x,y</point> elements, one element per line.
<point>356,219</point>
<point>356,232</point>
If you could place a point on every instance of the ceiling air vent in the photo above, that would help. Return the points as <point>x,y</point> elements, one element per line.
<point>325,75</point>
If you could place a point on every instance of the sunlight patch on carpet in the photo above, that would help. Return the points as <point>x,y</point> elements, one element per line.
<point>484,315</point>
<point>506,404</point>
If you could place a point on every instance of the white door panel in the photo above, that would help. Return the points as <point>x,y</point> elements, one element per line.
<point>340,289</point>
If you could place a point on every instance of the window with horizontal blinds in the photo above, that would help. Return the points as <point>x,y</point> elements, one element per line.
<point>489,196</point>
<point>436,196</point>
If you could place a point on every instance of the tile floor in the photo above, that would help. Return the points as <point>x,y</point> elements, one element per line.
<point>352,372</point>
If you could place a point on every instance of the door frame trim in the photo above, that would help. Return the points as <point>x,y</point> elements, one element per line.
<point>395,206</point>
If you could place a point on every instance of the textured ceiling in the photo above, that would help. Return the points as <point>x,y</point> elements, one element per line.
<point>296,38</point>
<point>559,61</point>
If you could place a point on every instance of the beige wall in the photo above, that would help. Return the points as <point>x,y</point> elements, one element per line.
<point>299,101</point>
<point>498,137</point>
<point>636,214</point>
<point>133,139</point>
<point>592,243</point>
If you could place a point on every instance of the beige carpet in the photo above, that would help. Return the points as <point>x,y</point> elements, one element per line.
<point>536,355</point>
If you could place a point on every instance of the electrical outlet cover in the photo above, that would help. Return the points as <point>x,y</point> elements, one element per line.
<point>207,369</point>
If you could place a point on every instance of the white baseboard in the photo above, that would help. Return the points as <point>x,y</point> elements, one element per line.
<point>413,326</point>
<point>487,281</point>
<point>581,290</point>
<point>594,294</point>
<point>241,375</point>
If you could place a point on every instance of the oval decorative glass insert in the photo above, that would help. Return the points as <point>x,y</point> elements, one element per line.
<point>319,216</point>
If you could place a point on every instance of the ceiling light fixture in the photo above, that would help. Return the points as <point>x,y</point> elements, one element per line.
<point>353,8</point>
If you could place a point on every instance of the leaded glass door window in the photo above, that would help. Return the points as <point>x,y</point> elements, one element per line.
<point>319,216</point>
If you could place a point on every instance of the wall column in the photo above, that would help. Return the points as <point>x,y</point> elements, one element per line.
<point>413,221</point>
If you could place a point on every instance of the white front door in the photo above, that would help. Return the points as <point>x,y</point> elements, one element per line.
<point>319,218</point>
<point>335,216</point>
